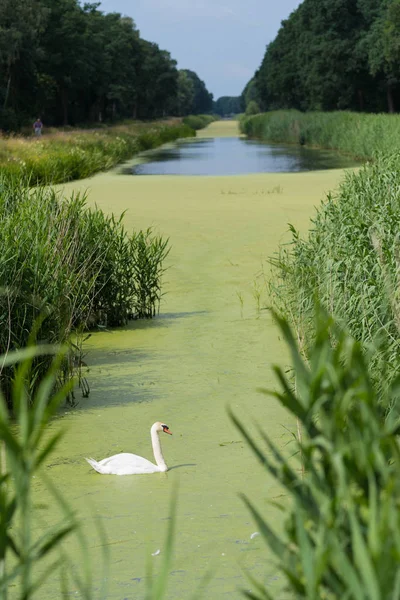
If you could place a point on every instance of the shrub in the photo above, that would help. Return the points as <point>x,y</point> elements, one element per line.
<point>252,108</point>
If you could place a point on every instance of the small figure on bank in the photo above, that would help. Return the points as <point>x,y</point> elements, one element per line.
<point>37,127</point>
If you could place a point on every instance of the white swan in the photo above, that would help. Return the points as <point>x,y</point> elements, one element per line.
<point>131,464</point>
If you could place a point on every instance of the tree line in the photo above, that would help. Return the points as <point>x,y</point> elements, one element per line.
<point>72,63</point>
<point>226,106</point>
<point>332,55</point>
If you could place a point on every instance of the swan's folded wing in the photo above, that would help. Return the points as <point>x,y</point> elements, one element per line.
<point>127,464</point>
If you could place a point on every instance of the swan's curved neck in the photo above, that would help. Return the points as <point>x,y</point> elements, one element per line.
<point>158,455</point>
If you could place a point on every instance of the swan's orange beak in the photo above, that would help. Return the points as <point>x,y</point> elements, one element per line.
<point>165,430</point>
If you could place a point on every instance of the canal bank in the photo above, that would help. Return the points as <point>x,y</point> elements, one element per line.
<point>210,348</point>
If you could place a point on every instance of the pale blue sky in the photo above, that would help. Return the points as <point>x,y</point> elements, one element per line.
<point>222,40</point>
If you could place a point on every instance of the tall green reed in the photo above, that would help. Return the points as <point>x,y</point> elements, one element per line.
<point>342,520</point>
<point>76,266</point>
<point>358,134</point>
<point>28,559</point>
<point>150,252</point>
<point>350,261</point>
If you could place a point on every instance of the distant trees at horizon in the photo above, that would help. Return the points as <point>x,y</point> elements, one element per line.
<point>193,96</point>
<point>227,105</point>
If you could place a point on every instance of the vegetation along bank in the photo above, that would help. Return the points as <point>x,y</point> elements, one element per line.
<point>341,529</point>
<point>66,268</point>
<point>338,536</point>
<point>349,261</point>
<point>70,268</point>
<point>358,134</point>
<point>64,156</point>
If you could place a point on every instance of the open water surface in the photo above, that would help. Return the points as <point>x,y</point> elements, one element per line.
<point>233,156</point>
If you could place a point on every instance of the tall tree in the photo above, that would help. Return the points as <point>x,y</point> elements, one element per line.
<point>64,58</point>
<point>227,105</point>
<point>185,97</point>
<point>381,43</point>
<point>157,81</point>
<point>21,23</point>
<point>334,54</point>
<point>203,99</point>
<point>70,62</point>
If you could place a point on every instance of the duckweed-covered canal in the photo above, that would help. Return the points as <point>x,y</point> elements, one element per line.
<point>210,348</point>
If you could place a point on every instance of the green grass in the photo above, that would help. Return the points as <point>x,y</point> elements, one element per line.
<point>342,534</point>
<point>65,156</point>
<point>358,134</point>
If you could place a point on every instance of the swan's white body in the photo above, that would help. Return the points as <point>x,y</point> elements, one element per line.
<point>132,464</point>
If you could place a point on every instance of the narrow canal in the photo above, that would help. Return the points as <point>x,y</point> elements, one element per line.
<point>232,155</point>
<point>210,349</point>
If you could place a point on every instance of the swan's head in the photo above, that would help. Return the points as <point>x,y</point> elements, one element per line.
<point>159,426</point>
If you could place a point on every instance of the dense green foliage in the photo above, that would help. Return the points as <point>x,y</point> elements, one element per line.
<point>358,134</point>
<point>342,531</point>
<point>62,156</point>
<point>70,63</point>
<point>333,54</point>
<point>227,106</point>
<point>350,260</point>
<point>193,96</point>
<point>73,267</point>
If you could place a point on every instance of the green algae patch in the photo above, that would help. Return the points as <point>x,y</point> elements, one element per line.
<point>211,347</point>
<point>220,129</point>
